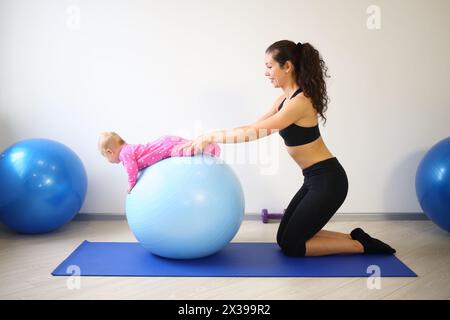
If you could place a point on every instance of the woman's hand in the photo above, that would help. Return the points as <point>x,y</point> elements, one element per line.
<point>197,145</point>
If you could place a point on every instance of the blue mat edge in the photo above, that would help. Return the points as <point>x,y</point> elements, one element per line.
<point>53,273</point>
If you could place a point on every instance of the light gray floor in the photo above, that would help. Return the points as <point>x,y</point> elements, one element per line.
<point>27,261</point>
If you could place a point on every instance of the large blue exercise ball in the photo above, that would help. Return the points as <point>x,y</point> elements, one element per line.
<point>42,186</point>
<point>186,207</point>
<point>433,184</point>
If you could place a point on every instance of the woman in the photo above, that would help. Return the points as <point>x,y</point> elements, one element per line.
<point>298,69</point>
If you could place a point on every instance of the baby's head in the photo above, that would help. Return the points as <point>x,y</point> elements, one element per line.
<point>110,144</point>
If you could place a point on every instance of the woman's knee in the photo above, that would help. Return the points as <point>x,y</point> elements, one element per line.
<point>293,250</point>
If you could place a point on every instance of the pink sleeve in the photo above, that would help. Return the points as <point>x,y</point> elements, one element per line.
<point>132,171</point>
<point>128,159</point>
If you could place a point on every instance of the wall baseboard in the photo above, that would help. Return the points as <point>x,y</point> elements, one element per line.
<point>414,216</point>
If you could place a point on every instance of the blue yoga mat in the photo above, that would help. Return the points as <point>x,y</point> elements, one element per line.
<point>235,260</point>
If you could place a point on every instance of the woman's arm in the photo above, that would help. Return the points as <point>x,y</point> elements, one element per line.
<point>238,135</point>
<point>279,120</point>
<point>246,133</point>
<point>291,112</point>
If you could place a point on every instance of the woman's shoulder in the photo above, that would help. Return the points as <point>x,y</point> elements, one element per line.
<point>302,101</point>
<point>308,112</point>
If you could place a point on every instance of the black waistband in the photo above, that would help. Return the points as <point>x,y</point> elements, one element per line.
<point>322,166</point>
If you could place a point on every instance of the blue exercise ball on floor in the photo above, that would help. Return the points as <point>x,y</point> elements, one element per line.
<point>433,184</point>
<point>43,185</point>
<point>186,207</point>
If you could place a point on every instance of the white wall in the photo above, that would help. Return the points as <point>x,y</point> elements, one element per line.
<point>148,68</point>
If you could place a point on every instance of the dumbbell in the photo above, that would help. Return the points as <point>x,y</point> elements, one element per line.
<point>265,215</point>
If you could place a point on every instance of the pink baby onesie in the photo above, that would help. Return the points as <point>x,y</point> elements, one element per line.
<point>138,156</point>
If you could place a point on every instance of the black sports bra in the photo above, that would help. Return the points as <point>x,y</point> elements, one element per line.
<point>295,135</point>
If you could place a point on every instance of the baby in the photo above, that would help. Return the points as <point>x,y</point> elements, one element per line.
<point>136,157</point>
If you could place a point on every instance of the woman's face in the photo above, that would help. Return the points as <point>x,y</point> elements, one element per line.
<point>277,75</point>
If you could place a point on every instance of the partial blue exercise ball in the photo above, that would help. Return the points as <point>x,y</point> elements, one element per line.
<point>186,207</point>
<point>433,184</point>
<point>43,185</point>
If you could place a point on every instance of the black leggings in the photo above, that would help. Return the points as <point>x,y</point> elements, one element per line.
<point>323,191</point>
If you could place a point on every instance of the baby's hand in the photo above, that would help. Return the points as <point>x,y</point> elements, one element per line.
<point>198,145</point>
